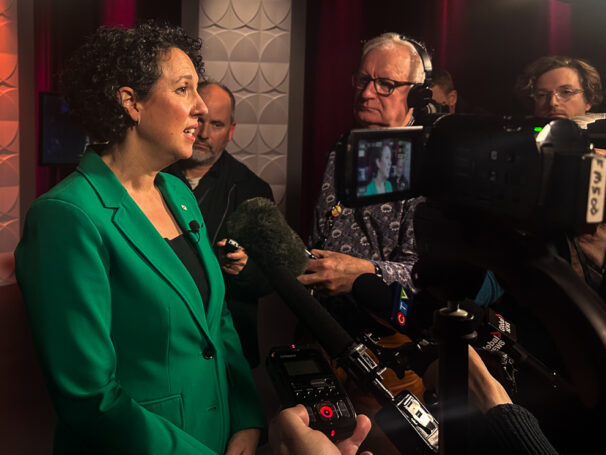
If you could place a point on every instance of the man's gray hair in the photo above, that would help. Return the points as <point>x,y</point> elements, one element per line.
<point>391,40</point>
<point>232,99</point>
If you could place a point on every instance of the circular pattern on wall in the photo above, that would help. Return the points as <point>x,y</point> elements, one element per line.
<point>247,48</point>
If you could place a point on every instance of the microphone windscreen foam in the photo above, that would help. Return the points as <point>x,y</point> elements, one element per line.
<point>258,225</point>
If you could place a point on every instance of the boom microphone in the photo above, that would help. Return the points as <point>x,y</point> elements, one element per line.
<point>258,225</point>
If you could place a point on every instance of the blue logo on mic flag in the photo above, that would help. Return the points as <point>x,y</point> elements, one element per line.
<point>403,308</point>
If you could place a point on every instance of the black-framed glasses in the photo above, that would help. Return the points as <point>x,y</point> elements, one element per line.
<point>561,94</point>
<point>383,85</point>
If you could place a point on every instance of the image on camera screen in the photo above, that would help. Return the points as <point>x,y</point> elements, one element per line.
<point>383,166</point>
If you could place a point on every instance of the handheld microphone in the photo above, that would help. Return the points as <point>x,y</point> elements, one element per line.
<point>393,302</point>
<point>496,334</point>
<point>258,225</point>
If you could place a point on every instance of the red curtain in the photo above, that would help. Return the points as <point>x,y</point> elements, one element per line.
<point>332,55</point>
<point>560,36</point>
<point>118,12</point>
<point>449,30</point>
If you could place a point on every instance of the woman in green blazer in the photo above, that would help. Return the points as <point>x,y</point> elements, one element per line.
<point>137,347</point>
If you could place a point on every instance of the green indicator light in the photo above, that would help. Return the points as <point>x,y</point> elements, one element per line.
<point>538,129</point>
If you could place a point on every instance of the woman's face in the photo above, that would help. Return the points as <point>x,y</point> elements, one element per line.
<point>384,163</point>
<point>169,115</point>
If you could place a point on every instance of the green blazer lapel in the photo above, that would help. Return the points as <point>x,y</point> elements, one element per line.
<point>183,205</point>
<point>134,225</point>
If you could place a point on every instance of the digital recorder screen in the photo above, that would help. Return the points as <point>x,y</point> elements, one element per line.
<point>301,367</point>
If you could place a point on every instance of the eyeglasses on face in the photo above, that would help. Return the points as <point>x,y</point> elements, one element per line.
<point>561,94</point>
<point>383,86</point>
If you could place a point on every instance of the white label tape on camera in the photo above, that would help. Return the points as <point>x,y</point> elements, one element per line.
<point>597,188</point>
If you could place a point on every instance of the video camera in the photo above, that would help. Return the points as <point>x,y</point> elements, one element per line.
<point>532,172</point>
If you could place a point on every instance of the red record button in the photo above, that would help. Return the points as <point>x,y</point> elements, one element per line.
<point>326,411</point>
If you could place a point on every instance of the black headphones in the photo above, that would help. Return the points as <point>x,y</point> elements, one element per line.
<point>420,95</point>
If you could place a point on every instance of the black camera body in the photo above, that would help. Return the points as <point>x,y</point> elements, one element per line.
<point>532,171</point>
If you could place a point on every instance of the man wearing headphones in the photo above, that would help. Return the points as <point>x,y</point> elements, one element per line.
<point>349,242</point>
<point>373,239</point>
<point>389,87</point>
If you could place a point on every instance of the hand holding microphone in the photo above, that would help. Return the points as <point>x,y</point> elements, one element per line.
<point>334,272</point>
<point>279,252</point>
<point>485,392</point>
<point>232,256</point>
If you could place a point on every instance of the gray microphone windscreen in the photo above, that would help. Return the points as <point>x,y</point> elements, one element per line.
<point>258,225</point>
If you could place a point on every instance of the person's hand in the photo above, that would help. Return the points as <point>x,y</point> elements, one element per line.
<point>485,392</point>
<point>593,243</point>
<point>333,272</point>
<point>289,434</point>
<point>243,442</point>
<point>231,263</point>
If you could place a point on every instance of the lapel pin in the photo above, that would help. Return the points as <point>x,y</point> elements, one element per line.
<point>183,207</point>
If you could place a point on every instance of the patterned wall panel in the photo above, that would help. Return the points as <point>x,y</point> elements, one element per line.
<point>247,47</point>
<point>9,140</point>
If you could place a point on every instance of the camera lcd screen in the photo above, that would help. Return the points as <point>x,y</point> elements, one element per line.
<point>380,165</point>
<point>383,166</point>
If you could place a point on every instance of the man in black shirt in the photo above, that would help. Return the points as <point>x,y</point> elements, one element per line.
<point>220,184</point>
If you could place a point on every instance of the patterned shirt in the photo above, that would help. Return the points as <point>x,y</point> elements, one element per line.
<point>382,233</point>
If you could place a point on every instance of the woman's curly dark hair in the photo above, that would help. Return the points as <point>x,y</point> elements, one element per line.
<point>117,57</point>
<point>588,77</point>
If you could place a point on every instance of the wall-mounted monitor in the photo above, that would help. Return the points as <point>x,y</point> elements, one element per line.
<point>61,139</point>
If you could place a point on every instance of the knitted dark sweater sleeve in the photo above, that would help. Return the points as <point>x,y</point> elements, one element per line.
<point>515,430</point>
